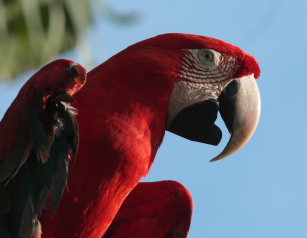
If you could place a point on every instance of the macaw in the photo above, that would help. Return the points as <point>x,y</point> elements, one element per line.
<point>38,133</point>
<point>174,82</point>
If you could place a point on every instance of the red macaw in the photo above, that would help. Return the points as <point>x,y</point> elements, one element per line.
<point>38,133</point>
<point>174,82</point>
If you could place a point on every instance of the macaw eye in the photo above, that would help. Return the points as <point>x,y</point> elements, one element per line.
<point>208,59</point>
<point>206,56</point>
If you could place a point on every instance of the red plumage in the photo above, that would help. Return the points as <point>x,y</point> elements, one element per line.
<point>122,115</point>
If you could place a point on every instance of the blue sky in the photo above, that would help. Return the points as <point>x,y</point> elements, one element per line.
<point>261,191</point>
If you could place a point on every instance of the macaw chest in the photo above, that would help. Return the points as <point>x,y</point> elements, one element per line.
<point>131,142</point>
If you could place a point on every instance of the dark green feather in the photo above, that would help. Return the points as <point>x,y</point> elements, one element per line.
<point>53,136</point>
<point>66,142</point>
<point>22,209</point>
<point>59,157</point>
<point>5,233</point>
<point>71,128</point>
<point>19,153</point>
<point>32,134</point>
<point>38,135</point>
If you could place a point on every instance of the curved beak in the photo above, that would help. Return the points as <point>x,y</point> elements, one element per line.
<point>240,109</point>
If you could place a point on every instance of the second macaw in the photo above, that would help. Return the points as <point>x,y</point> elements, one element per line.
<point>38,133</point>
<point>174,82</point>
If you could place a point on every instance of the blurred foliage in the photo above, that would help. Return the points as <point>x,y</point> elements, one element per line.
<point>34,31</point>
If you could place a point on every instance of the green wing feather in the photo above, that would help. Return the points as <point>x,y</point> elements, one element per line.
<point>38,135</point>
<point>22,209</point>
<point>18,154</point>
<point>32,135</point>
<point>37,166</point>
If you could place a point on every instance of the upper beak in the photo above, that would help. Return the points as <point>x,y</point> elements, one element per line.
<point>239,105</point>
<point>240,109</point>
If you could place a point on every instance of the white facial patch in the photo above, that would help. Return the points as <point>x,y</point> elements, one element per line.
<point>187,93</point>
<point>204,75</point>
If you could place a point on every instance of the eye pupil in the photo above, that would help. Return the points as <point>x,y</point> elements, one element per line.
<point>206,56</point>
<point>209,57</point>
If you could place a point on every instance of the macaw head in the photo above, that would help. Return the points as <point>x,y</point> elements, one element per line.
<point>56,81</point>
<point>209,76</point>
<point>192,78</point>
<point>61,76</point>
